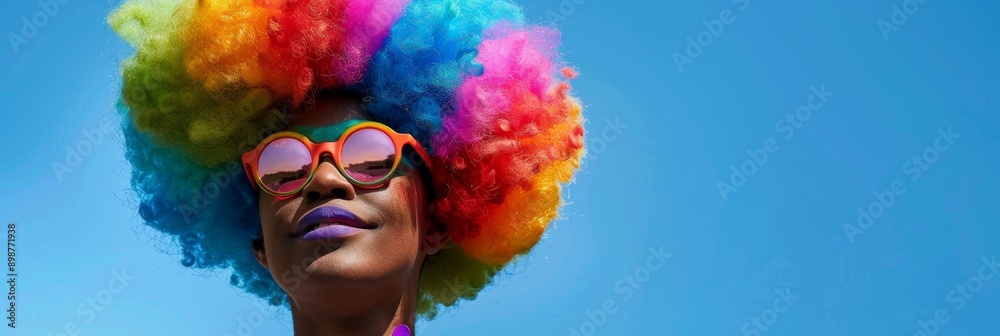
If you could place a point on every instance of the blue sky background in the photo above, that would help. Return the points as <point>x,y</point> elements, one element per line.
<point>651,181</point>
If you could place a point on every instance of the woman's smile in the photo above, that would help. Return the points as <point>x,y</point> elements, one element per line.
<point>329,221</point>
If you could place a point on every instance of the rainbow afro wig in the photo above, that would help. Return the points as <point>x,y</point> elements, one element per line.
<point>482,90</point>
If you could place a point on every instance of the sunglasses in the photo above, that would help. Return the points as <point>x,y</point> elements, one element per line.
<point>367,154</point>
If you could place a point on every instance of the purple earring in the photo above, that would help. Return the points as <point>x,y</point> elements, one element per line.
<point>401,330</point>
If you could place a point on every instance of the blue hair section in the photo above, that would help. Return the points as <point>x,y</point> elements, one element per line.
<point>425,57</point>
<point>209,213</point>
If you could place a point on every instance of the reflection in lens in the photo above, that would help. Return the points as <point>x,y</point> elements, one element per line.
<point>368,155</point>
<point>284,165</point>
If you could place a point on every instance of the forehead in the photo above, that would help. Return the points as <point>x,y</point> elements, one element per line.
<point>328,117</point>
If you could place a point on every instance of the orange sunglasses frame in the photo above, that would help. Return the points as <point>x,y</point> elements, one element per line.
<point>252,157</point>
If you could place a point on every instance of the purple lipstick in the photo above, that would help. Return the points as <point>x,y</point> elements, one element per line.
<point>328,222</point>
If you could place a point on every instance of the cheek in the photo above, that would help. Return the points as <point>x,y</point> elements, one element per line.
<point>403,202</point>
<point>403,205</point>
<point>275,215</point>
<point>274,221</point>
<point>415,199</point>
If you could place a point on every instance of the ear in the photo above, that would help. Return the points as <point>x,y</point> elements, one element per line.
<point>434,237</point>
<point>258,251</point>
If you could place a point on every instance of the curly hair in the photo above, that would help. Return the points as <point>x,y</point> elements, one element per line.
<point>482,90</point>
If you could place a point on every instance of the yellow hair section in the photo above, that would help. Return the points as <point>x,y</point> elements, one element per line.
<point>229,34</point>
<point>173,107</point>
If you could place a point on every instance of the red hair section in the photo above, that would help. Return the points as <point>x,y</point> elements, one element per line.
<point>514,137</point>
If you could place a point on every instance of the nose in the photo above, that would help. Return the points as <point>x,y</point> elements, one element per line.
<point>327,183</point>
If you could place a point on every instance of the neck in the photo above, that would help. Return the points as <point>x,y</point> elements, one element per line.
<point>317,319</point>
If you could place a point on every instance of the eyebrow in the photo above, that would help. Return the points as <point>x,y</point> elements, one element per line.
<point>328,132</point>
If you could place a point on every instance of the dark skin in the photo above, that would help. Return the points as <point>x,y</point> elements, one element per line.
<point>363,284</point>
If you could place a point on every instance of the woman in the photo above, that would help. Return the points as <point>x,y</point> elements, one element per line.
<point>365,163</point>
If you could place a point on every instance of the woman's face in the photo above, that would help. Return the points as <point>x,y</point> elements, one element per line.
<point>351,270</point>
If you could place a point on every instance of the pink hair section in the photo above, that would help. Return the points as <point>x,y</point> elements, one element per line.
<point>516,62</point>
<point>368,23</point>
<point>514,134</point>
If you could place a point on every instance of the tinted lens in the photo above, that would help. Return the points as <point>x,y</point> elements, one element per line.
<point>284,165</point>
<point>368,156</point>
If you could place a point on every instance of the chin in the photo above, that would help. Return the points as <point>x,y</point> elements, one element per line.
<point>345,284</point>
<point>347,263</point>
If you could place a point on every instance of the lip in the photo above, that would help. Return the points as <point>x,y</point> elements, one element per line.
<point>329,221</point>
